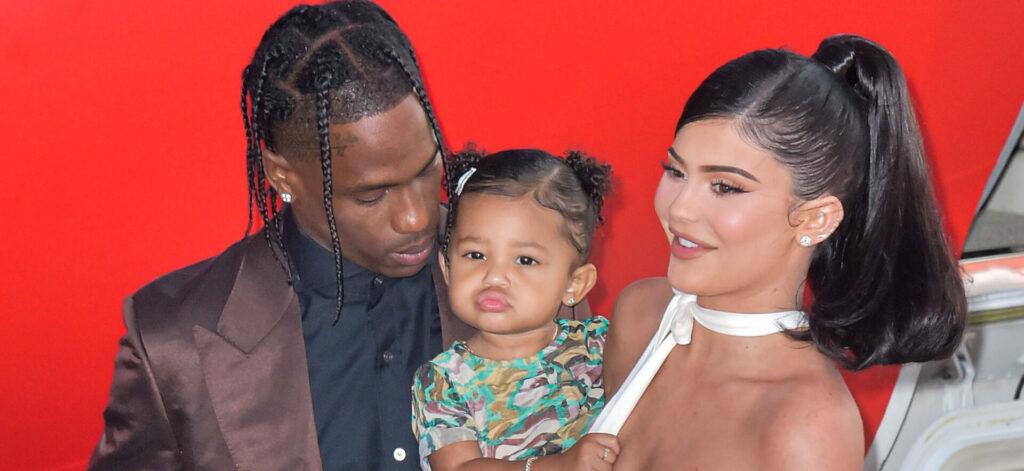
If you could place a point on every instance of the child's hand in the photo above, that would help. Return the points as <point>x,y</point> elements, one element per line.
<point>594,452</point>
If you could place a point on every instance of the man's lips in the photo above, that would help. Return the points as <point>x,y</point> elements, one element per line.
<point>492,301</point>
<point>414,254</point>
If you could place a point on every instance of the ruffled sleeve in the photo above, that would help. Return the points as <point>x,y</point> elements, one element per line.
<point>439,415</point>
<point>596,333</point>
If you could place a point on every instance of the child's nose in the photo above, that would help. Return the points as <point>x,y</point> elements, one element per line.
<point>496,276</point>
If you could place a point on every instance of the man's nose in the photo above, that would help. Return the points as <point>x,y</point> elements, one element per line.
<point>412,212</point>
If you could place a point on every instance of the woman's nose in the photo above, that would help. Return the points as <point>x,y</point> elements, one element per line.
<point>683,207</point>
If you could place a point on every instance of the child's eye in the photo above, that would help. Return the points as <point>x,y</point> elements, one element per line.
<point>673,172</point>
<point>473,255</point>
<point>722,188</point>
<point>524,260</point>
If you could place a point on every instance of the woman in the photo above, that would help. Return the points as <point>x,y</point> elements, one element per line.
<point>786,173</point>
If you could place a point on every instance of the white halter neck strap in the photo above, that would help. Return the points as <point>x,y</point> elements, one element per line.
<point>677,329</point>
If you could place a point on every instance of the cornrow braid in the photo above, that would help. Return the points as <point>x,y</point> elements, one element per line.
<point>421,94</point>
<point>334,63</point>
<point>268,213</point>
<point>323,113</point>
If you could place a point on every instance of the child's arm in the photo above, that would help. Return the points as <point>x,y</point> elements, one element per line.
<point>588,454</point>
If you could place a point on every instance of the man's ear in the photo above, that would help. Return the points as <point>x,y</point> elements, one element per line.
<point>280,172</point>
<point>444,266</point>
<point>581,282</point>
<point>816,220</point>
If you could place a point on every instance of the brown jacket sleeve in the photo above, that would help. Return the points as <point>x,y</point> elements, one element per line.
<point>136,434</point>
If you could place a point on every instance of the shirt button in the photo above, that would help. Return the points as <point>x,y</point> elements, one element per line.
<point>388,356</point>
<point>377,280</point>
<point>399,454</point>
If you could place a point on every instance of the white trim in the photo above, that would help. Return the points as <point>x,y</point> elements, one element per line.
<point>892,420</point>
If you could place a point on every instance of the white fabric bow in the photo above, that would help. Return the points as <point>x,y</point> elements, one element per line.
<point>677,329</point>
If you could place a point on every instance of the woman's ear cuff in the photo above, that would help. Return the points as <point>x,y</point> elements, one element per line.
<point>805,241</point>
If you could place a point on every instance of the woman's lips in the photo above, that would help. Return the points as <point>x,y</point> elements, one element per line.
<point>684,247</point>
<point>490,301</point>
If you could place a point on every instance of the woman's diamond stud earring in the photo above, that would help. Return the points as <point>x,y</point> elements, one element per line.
<point>805,241</point>
<point>286,197</point>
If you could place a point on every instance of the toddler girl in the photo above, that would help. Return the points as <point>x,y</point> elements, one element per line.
<point>522,390</point>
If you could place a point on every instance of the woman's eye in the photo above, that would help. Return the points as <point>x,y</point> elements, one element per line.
<point>724,188</point>
<point>474,255</point>
<point>524,260</point>
<point>673,172</point>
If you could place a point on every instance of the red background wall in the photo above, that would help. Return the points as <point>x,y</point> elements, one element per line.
<point>123,147</point>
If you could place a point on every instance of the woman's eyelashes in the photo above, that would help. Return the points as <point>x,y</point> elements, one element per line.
<point>719,186</point>
<point>722,188</point>
<point>673,172</point>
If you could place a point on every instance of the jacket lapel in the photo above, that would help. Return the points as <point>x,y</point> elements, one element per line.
<point>254,367</point>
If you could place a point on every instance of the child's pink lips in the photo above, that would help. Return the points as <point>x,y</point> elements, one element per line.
<point>490,301</point>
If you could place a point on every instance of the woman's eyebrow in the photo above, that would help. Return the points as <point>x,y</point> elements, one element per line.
<point>672,153</point>
<point>715,168</point>
<point>726,168</point>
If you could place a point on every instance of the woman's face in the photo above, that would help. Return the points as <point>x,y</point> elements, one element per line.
<point>725,207</point>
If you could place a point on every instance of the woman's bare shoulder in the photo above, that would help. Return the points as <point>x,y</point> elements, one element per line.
<point>814,425</point>
<point>635,317</point>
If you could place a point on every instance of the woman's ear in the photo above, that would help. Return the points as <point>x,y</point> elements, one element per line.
<point>580,283</point>
<point>280,173</point>
<point>817,219</point>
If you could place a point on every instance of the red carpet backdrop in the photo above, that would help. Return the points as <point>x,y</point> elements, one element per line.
<point>123,147</point>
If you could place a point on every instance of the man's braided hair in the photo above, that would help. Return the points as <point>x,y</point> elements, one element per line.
<point>316,66</point>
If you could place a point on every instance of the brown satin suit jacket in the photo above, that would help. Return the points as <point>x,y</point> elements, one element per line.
<point>212,372</point>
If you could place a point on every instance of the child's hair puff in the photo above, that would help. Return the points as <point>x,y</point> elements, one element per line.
<point>575,186</point>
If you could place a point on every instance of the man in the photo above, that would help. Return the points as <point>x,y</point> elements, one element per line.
<point>295,348</point>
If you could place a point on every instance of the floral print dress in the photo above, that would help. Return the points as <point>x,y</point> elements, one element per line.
<point>514,409</point>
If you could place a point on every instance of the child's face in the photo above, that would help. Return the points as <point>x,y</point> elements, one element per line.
<point>511,266</point>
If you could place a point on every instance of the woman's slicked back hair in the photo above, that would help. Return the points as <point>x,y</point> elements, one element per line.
<point>886,287</point>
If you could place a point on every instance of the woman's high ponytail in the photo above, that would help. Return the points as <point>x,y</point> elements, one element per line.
<point>886,287</point>
<point>889,291</point>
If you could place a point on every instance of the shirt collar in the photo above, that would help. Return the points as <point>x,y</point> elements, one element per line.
<point>313,266</point>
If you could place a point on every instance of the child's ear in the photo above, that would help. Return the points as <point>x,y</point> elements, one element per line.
<point>582,281</point>
<point>444,266</point>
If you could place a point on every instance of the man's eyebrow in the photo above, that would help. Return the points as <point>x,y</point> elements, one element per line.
<point>715,168</point>
<point>430,163</point>
<point>381,186</point>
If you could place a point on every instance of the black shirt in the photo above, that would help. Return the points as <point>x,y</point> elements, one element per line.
<point>361,369</point>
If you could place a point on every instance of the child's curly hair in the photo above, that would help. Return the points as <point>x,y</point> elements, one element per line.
<point>574,186</point>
